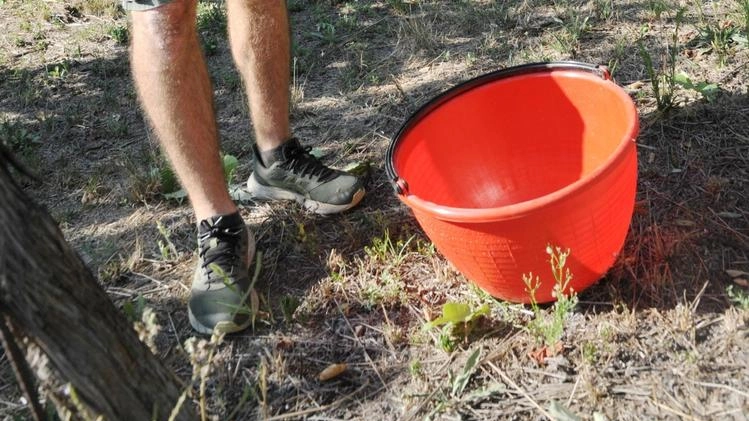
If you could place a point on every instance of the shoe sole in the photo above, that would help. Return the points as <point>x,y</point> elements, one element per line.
<point>260,191</point>
<point>227,326</point>
<point>221,327</point>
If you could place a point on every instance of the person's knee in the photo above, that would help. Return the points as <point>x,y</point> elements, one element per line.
<point>170,25</point>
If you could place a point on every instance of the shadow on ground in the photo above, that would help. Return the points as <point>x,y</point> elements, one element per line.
<point>77,123</point>
<point>690,224</point>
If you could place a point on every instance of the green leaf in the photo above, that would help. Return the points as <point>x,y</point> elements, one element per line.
<point>230,164</point>
<point>129,309</point>
<point>740,39</point>
<point>358,168</point>
<point>486,392</point>
<point>239,193</point>
<point>451,313</point>
<point>317,153</point>
<point>708,90</point>
<point>134,309</point>
<point>683,80</point>
<point>178,195</point>
<point>167,178</point>
<point>484,310</point>
<point>560,413</point>
<point>456,312</point>
<point>460,382</point>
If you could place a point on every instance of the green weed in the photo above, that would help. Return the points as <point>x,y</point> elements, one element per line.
<point>662,84</point>
<point>718,38</point>
<point>421,32</point>
<point>619,53</point>
<point>589,352</point>
<point>166,248</point>
<point>16,137</point>
<point>133,309</point>
<point>549,328</point>
<point>657,8</point>
<point>99,7</point>
<point>211,26</point>
<point>295,5</point>
<point>708,90</point>
<point>211,17</point>
<point>349,20</point>
<point>166,177</point>
<point>251,297</point>
<point>384,260</point>
<point>458,387</point>
<point>92,190</point>
<point>384,250</point>
<point>575,26</point>
<point>119,34</point>
<point>143,185</point>
<point>559,412</point>
<point>399,5</point>
<point>325,31</point>
<point>738,297</point>
<point>460,381</point>
<point>229,163</point>
<point>387,289</point>
<point>458,321</point>
<point>415,368</point>
<point>663,80</point>
<point>289,304</point>
<point>604,9</point>
<point>58,71</point>
<point>307,237</point>
<point>116,126</point>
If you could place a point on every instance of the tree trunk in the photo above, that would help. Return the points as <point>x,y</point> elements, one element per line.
<point>59,310</point>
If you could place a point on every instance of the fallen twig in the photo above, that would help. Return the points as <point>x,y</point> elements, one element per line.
<point>517,388</point>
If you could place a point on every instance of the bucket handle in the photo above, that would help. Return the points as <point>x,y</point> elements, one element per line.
<point>400,186</point>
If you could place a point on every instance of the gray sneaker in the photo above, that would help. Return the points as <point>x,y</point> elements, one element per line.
<point>221,283</point>
<point>295,174</point>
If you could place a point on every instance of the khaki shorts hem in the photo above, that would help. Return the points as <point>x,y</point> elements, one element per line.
<point>139,5</point>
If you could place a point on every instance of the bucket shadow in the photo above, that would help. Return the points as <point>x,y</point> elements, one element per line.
<point>689,226</point>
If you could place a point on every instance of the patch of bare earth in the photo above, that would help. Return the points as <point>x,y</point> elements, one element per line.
<point>658,338</point>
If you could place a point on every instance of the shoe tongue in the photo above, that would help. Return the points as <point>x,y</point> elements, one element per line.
<point>287,150</point>
<point>220,221</point>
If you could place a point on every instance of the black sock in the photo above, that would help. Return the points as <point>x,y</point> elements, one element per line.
<point>278,153</point>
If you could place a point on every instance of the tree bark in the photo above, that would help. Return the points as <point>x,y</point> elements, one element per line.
<point>57,305</point>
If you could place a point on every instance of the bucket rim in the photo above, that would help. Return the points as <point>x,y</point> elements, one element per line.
<point>515,210</point>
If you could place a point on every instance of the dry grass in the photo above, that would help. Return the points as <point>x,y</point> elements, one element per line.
<point>657,338</point>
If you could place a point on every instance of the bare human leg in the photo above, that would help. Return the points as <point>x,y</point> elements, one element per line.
<point>173,85</point>
<point>259,36</point>
<point>174,88</point>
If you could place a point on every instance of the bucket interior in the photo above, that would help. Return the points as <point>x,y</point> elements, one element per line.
<point>512,140</point>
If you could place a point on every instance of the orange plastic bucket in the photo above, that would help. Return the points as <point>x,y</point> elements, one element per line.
<point>501,166</point>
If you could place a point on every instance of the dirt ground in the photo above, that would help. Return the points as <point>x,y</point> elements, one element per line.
<point>664,335</point>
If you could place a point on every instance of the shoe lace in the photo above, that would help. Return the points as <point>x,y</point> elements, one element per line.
<point>224,254</point>
<point>301,161</point>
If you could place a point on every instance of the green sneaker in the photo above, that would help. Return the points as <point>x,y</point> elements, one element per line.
<point>295,174</point>
<point>221,283</point>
